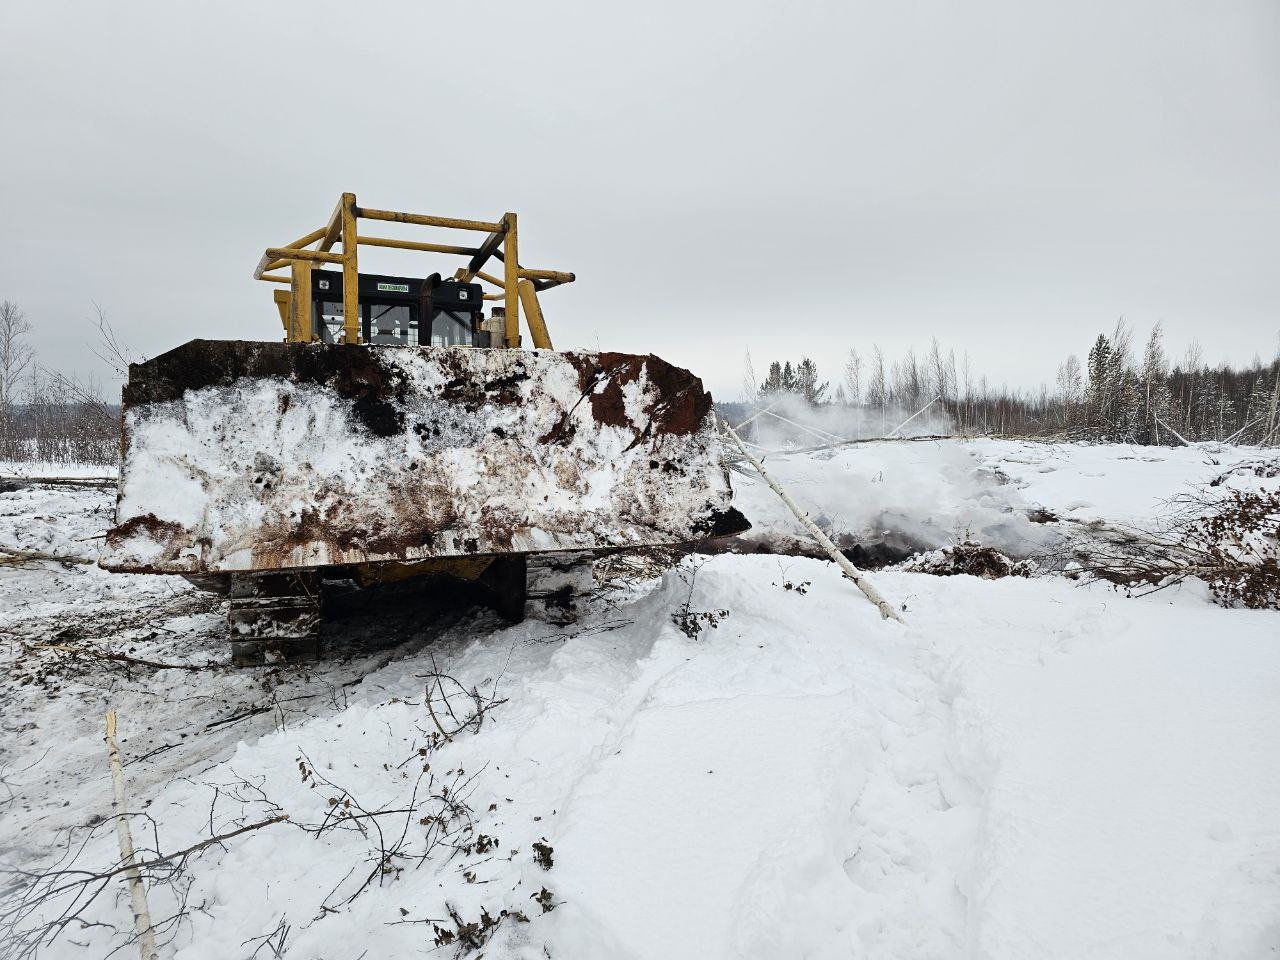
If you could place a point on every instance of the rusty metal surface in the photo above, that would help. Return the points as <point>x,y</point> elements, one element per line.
<point>242,456</point>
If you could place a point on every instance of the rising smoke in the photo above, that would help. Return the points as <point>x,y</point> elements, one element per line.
<point>787,420</point>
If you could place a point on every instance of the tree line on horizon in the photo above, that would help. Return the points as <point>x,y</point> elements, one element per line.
<point>47,416</point>
<point>1117,394</point>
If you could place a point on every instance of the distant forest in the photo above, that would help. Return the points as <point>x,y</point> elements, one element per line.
<point>1119,393</point>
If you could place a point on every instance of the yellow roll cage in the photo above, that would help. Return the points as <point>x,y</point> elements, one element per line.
<point>518,286</point>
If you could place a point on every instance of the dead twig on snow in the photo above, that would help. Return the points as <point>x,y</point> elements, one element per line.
<point>118,657</point>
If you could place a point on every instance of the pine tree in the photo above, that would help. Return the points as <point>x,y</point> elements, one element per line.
<point>1097,399</point>
<point>1204,406</point>
<point>807,384</point>
<point>773,382</point>
<point>1256,409</point>
<point>1128,419</point>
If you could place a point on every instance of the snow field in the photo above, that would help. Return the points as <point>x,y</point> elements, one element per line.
<point>1117,483</point>
<point>1133,811</point>
<point>1058,778</point>
<point>1027,768</point>
<point>925,495</point>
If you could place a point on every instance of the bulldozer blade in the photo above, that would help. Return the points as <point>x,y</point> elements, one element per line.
<point>242,456</point>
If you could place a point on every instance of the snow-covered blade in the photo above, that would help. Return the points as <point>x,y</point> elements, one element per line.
<point>260,456</point>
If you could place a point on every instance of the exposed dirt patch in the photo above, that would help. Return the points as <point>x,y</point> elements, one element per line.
<point>969,558</point>
<point>464,390</point>
<point>681,411</point>
<point>376,390</point>
<point>865,556</point>
<point>149,525</point>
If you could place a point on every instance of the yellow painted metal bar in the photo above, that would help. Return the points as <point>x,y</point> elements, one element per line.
<point>559,276</point>
<point>511,260</point>
<point>415,245</point>
<point>276,278</point>
<point>282,298</point>
<point>495,296</point>
<point>542,285</point>
<point>533,315</point>
<point>333,230</point>
<point>310,238</point>
<point>277,257</point>
<point>300,304</point>
<point>350,271</point>
<point>447,222</point>
<point>489,278</point>
<point>315,256</point>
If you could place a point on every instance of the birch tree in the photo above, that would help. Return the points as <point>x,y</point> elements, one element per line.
<point>15,352</point>
<point>853,377</point>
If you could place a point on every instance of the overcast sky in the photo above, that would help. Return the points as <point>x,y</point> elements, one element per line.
<point>790,178</point>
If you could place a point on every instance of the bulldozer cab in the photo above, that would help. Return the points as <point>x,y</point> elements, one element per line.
<point>401,311</point>
<point>343,305</point>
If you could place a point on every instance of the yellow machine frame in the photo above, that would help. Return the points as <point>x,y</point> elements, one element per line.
<point>518,286</point>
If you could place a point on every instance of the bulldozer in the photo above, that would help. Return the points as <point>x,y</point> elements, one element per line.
<point>403,431</point>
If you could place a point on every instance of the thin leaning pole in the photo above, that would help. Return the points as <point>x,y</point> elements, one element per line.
<point>758,413</point>
<point>889,435</point>
<point>137,892</point>
<point>853,573</point>
<point>820,434</point>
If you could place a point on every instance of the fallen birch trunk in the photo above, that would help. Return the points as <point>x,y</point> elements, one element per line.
<point>1231,439</point>
<point>850,571</point>
<point>61,481</point>
<point>41,555</point>
<point>137,892</point>
<point>1185,441</point>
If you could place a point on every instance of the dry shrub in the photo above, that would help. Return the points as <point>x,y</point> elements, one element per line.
<point>1227,537</point>
<point>1239,541</point>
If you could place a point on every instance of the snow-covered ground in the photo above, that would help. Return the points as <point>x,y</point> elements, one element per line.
<point>933,493</point>
<point>1026,768</point>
